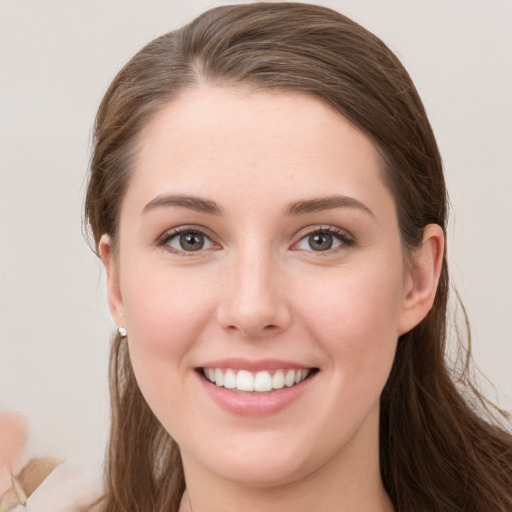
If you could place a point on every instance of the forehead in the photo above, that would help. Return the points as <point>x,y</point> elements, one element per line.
<point>220,141</point>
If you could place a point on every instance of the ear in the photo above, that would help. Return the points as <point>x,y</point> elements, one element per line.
<point>115,299</point>
<point>423,276</point>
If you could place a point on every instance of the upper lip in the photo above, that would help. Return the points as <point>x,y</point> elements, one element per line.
<point>255,364</point>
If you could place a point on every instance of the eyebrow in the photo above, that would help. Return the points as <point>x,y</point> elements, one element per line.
<point>326,203</point>
<point>303,207</point>
<point>181,201</point>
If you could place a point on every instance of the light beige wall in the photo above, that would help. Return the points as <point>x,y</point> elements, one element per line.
<point>56,60</point>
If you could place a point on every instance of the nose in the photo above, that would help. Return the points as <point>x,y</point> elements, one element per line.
<point>254,304</point>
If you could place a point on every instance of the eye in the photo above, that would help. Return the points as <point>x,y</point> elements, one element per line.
<point>324,239</point>
<point>186,240</point>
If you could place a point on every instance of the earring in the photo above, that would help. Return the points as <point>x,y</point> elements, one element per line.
<point>122,332</point>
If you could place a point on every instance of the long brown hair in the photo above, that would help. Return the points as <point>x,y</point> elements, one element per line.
<point>436,452</point>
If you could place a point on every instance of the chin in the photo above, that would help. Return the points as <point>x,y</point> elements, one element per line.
<point>263,472</point>
<point>260,459</point>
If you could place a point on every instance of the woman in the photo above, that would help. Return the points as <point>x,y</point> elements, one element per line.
<point>267,197</point>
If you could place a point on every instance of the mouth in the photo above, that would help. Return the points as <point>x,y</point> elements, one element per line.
<point>263,381</point>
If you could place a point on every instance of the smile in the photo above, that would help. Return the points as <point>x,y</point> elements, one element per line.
<point>261,381</point>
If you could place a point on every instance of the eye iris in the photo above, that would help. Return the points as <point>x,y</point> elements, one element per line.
<point>192,241</point>
<point>320,241</point>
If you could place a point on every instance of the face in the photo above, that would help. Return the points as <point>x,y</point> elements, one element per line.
<point>261,279</point>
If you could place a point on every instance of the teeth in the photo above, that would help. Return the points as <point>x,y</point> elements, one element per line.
<point>278,380</point>
<point>262,381</point>
<point>230,379</point>
<point>219,377</point>
<point>299,376</point>
<point>289,380</point>
<point>244,380</point>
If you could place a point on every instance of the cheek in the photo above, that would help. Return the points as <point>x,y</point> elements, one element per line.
<point>355,318</point>
<point>165,307</point>
<point>165,317</point>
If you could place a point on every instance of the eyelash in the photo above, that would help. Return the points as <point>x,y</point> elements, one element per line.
<point>345,239</point>
<point>163,241</point>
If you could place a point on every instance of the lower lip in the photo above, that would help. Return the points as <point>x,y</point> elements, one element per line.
<point>255,404</point>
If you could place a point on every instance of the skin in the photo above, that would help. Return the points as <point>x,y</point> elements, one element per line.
<point>258,290</point>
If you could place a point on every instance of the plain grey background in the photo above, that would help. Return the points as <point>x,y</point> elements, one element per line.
<point>56,60</point>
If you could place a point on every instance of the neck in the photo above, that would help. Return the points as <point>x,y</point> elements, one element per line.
<point>277,500</point>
